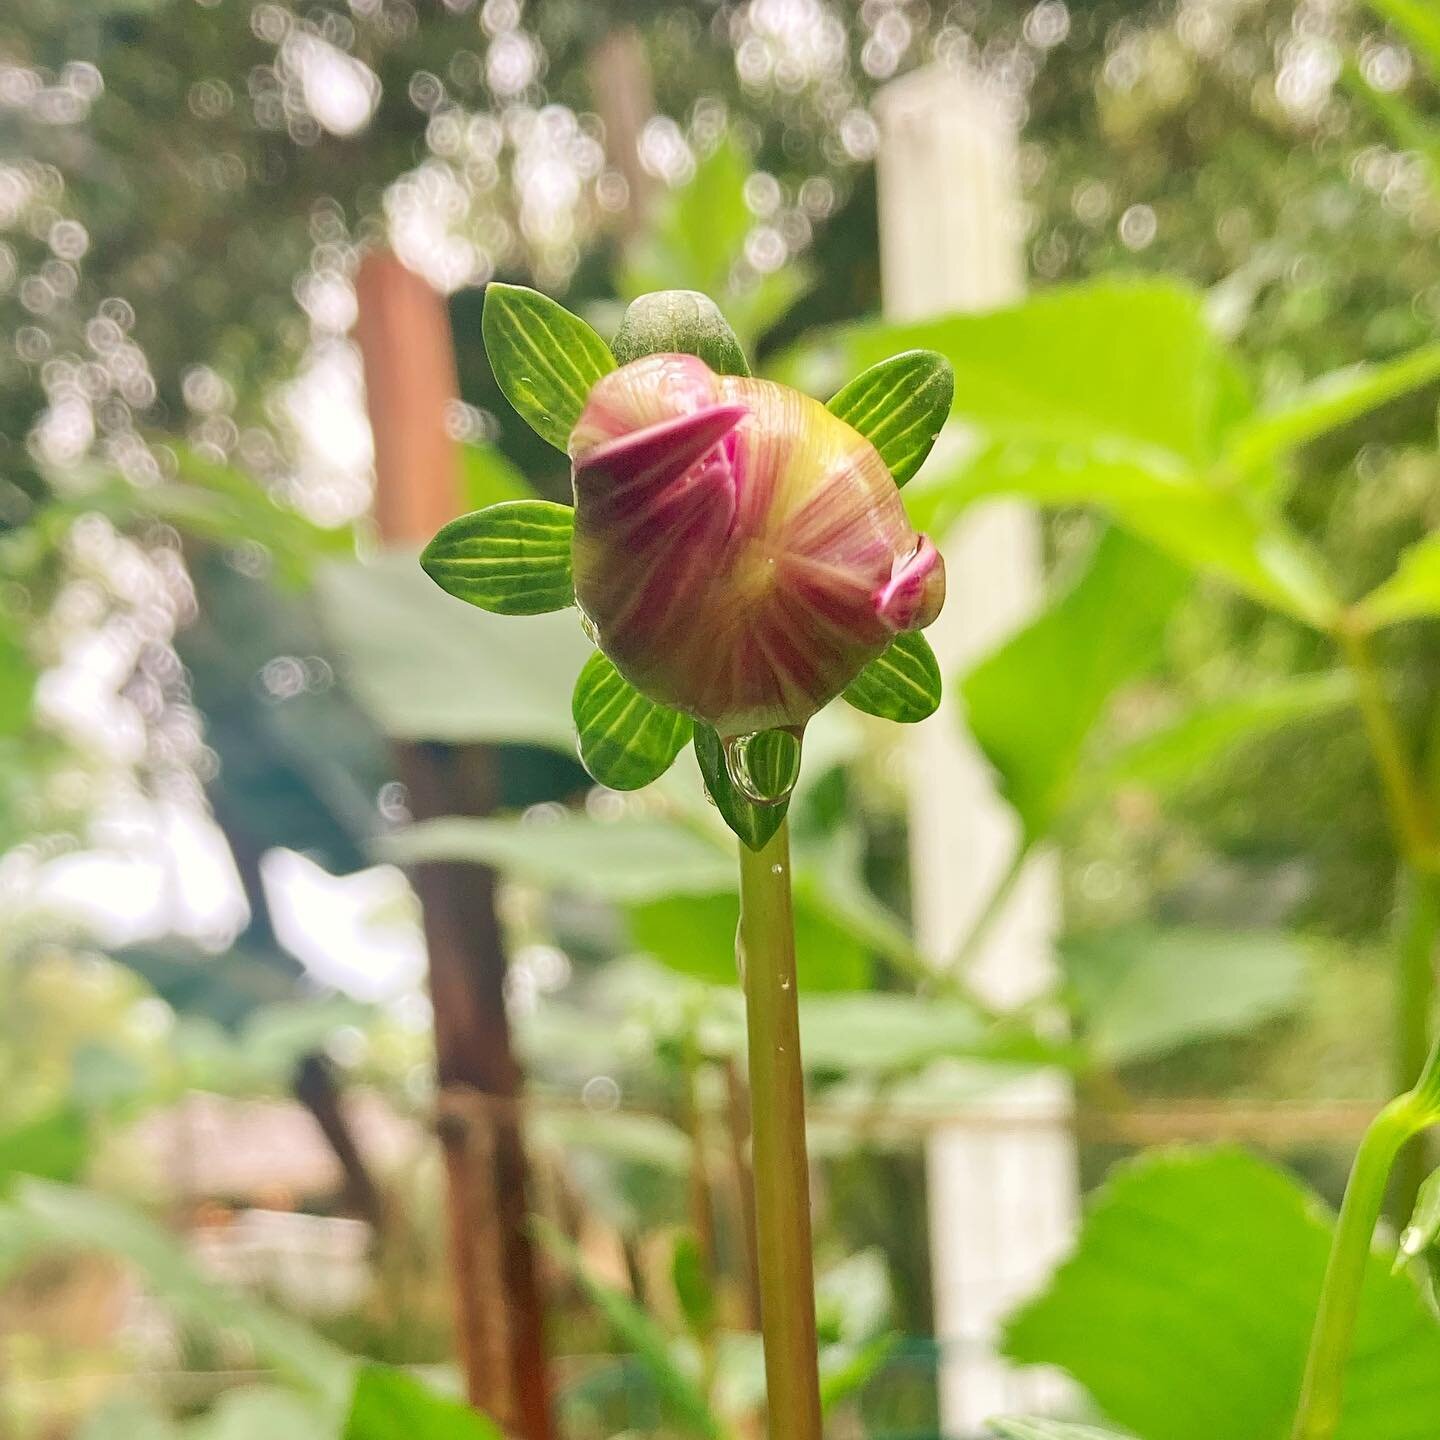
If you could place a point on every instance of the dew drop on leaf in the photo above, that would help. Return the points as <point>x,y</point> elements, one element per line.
<point>764,766</point>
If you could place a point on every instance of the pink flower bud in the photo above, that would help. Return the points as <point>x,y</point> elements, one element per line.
<point>740,553</point>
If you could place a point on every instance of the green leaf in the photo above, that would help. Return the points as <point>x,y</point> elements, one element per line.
<point>46,1216</point>
<point>487,477</point>
<point>1141,991</point>
<point>753,824</point>
<point>900,406</point>
<point>1412,592</point>
<point>1187,1306</point>
<point>545,359</point>
<point>1418,22</point>
<point>512,558</point>
<point>1178,751</point>
<point>695,935</point>
<point>627,860</point>
<point>54,1147</point>
<point>1050,1430</point>
<point>626,741</point>
<point>1130,360</point>
<point>681,322</point>
<point>692,1286</point>
<point>679,1390</point>
<point>428,669</point>
<point>1114,394</point>
<point>903,684</point>
<point>698,231</point>
<point>390,1405</point>
<point>1330,402</point>
<point>1032,704</point>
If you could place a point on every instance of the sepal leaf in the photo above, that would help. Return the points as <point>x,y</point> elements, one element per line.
<point>899,406</point>
<point>681,322</point>
<point>545,359</point>
<point>903,684</point>
<point>512,558</point>
<point>754,824</point>
<point>626,741</point>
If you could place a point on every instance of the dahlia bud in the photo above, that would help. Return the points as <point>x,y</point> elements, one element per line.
<point>740,553</point>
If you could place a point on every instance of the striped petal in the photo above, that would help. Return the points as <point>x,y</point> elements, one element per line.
<point>741,553</point>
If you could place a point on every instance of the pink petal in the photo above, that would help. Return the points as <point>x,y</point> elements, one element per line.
<point>912,596</point>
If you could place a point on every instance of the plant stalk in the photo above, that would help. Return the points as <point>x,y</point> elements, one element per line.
<point>1322,1391</point>
<point>766,946</point>
<point>1412,824</point>
<point>1419,931</point>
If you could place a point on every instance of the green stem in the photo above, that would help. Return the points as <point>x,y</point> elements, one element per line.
<point>766,946</point>
<point>1322,1391</point>
<point>1408,809</point>
<point>995,902</point>
<point>1415,1008</point>
<point>1405,797</point>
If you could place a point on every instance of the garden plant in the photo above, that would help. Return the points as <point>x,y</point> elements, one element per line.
<point>740,556</point>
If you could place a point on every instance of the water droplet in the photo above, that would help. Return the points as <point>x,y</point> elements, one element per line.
<point>765,766</point>
<point>777,868</point>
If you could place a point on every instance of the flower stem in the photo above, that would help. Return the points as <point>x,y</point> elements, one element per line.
<point>766,946</point>
<point>1322,1392</point>
<point>1419,931</point>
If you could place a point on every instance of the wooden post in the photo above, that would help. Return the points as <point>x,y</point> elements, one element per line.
<point>1002,1202</point>
<point>404,337</point>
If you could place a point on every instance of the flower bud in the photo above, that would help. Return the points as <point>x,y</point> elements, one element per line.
<point>740,553</point>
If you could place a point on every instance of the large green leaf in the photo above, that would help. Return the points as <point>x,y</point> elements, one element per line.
<point>545,359</point>
<point>753,824</point>
<point>428,669</point>
<point>1411,592</point>
<point>628,860</point>
<point>53,1147</point>
<point>900,406</point>
<point>1328,403</point>
<point>676,1383</point>
<point>1113,394</point>
<point>1187,1306</point>
<point>626,741</point>
<point>487,477</point>
<point>1419,23</point>
<point>1032,704</point>
<point>47,1217</point>
<point>903,684</point>
<point>388,1404</point>
<point>695,935</point>
<point>1142,991</point>
<point>1050,1430</point>
<point>1179,750</point>
<point>1130,360</point>
<point>512,558</point>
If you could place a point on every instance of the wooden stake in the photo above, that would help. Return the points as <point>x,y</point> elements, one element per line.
<point>404,337</point>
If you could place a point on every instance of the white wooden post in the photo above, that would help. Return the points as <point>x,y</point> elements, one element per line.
<point>1002,1201</point>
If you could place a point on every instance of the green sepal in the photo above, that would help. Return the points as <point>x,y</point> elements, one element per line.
<point>754,824</point>
<point>899,406</point>
<point>512,558</point>
<point>626,741</point>
<point>679,322</point>
<point>545,359</point>
<point>901,684</point>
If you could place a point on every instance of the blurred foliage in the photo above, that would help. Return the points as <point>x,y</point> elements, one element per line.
<point>181,208</point>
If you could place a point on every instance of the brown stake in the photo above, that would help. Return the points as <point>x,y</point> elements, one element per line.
<point>404,337</point>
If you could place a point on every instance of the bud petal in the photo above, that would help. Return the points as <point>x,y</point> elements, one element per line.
<point>740,553</point>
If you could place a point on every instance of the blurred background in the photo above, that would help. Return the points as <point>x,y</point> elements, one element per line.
<point>1152,899</point>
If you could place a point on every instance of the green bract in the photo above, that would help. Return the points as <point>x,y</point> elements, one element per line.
<point>514,558</point>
